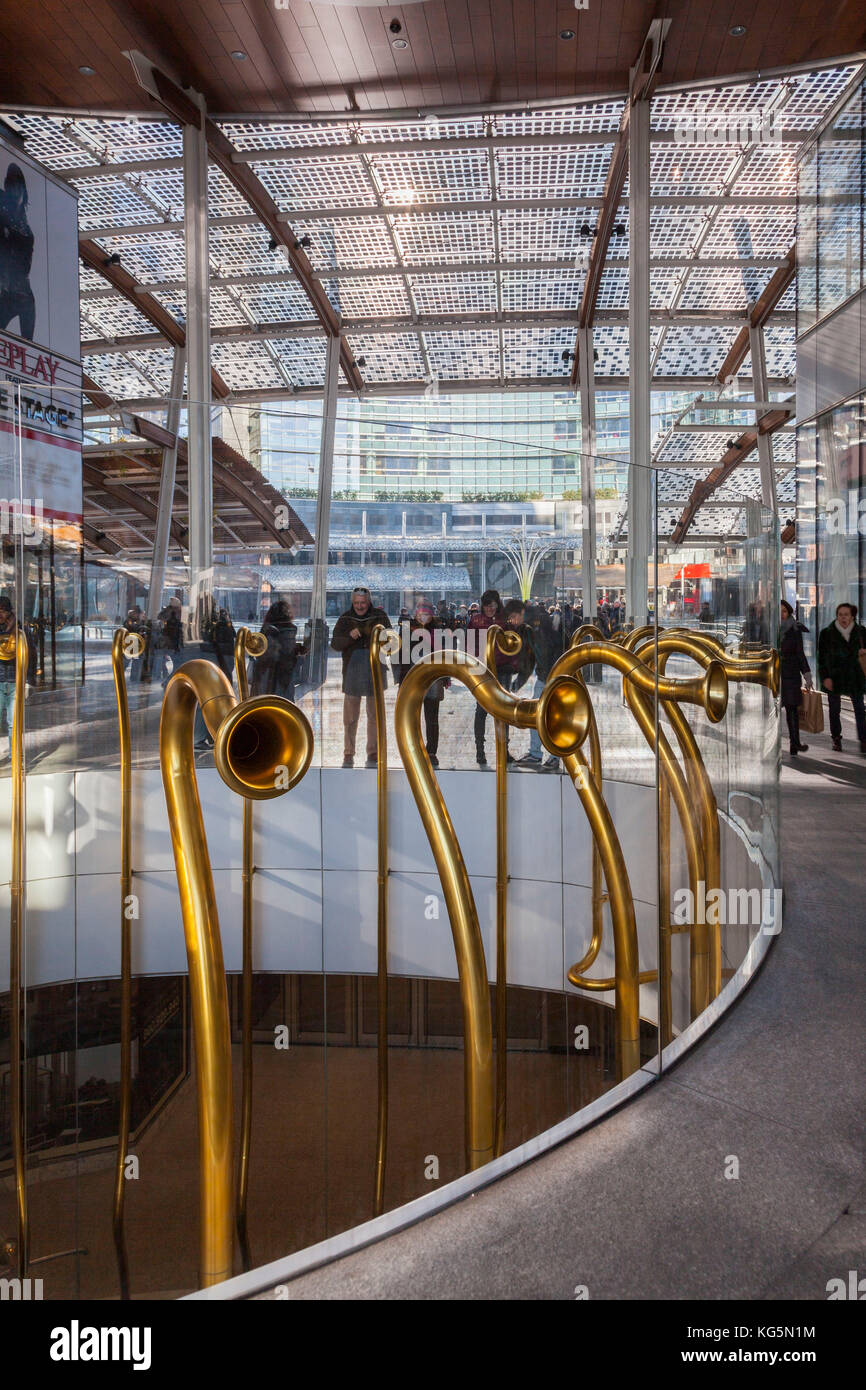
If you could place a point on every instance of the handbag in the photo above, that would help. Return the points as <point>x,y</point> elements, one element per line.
<point>811,712</point>
<point>861,655</point>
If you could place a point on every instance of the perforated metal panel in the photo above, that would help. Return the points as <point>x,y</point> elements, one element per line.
<point>381,353</point>
<point>455,294</point>
<point>463,356</point>
<point>534,291</point>
<point>305,184</point>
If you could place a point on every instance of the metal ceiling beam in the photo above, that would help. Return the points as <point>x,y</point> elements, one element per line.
<point>440,323</point>
<point>445,268</point>
<point>449,144</point>
<point>124,284</point>
<point>178,105</point>
<point>279,220</point>
<point>385,389</point>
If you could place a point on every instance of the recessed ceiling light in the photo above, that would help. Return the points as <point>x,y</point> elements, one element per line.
<point>566,33</point>
<point>399,43</point>
<point>236,53</point>
<point>737,31</point>
<point>86,71</point>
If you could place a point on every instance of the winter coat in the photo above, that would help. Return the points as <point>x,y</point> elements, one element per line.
<point>417,652</point>
<point>273,670</point>
<point>793,665</point>
<point>546,643</point>
<point>344,644</point>
<point>839,660</point>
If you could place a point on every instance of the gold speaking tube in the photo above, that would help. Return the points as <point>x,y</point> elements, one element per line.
<point>561,716</point>
<point>701,790</point>
<point>262,747</point>
<point>509,643</point>
<point>246,644</point>
<point>637,634</point>
<point>126,645</point>
<point>756,669</point>
<point>380,642</point>
<point>18,642</point>
<point>712,693</point>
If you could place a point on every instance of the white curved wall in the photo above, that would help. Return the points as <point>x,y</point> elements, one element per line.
<point>315,885</point>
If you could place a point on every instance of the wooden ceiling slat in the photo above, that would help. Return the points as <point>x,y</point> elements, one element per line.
<point>443,47</point>
<point>460,51</point>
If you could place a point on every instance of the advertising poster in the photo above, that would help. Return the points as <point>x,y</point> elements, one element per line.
<point>40,362</point>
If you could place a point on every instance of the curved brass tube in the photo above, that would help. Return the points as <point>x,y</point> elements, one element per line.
<point>261,748</point>
<point>125,645</point>
<point>584,631</point>
<point>246,644</point>
<point>16,926</point>
<point>562,719</point>
<point>509,643</point>
<point>712,693</point>
<point>700,786</point>
<point>637,634</point>
<point>380,638</point>
<point>756,669</point>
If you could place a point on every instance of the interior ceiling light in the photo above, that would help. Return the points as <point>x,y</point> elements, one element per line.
<point>737,31</point>
<point>86,71</point>
<point>236,53</point>
<point>566,33</point>
<point>399,43</point>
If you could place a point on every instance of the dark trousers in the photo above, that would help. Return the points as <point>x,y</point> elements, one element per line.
<point>431,720</point>
<point>508,680</point>
<point>834,702</point>
<point>792,714</point>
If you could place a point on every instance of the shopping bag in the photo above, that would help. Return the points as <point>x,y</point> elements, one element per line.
<point>811,712</point>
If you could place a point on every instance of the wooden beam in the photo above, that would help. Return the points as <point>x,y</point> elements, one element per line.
<point>178,105</point>
<point>758,315</point>
<point>96,258</point>
<point>730,460</point>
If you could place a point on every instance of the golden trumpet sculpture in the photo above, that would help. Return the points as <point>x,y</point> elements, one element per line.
<point>125,646</point>
<point>246,644</point>
<point>562,716</point>
<point>509,642</point>
<point>710,692</point>
<point>262,747</point>
<point>380,642</point>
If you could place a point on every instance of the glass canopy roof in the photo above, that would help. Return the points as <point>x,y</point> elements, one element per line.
<point>455,251</point>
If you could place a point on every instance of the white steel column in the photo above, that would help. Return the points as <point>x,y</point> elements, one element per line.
<point>587,474</point>
<point>639,506</point>
<point>166,489</point>
<point>200,478</point>
<point>765,441</point>
<point>326,477</point>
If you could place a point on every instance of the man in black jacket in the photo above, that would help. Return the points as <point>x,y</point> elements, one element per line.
<point>352,639</point>
<point>547,647</point>
<point>840,671</point>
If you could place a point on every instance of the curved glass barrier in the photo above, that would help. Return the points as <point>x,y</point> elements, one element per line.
<point>229,1035</point>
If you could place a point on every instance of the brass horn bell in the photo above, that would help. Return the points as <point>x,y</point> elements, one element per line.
<point>256,740</point>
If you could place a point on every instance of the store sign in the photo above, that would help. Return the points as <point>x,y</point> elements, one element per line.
<point>40,350</point>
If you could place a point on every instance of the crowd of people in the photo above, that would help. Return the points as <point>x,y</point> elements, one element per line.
<point>545,628</point>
